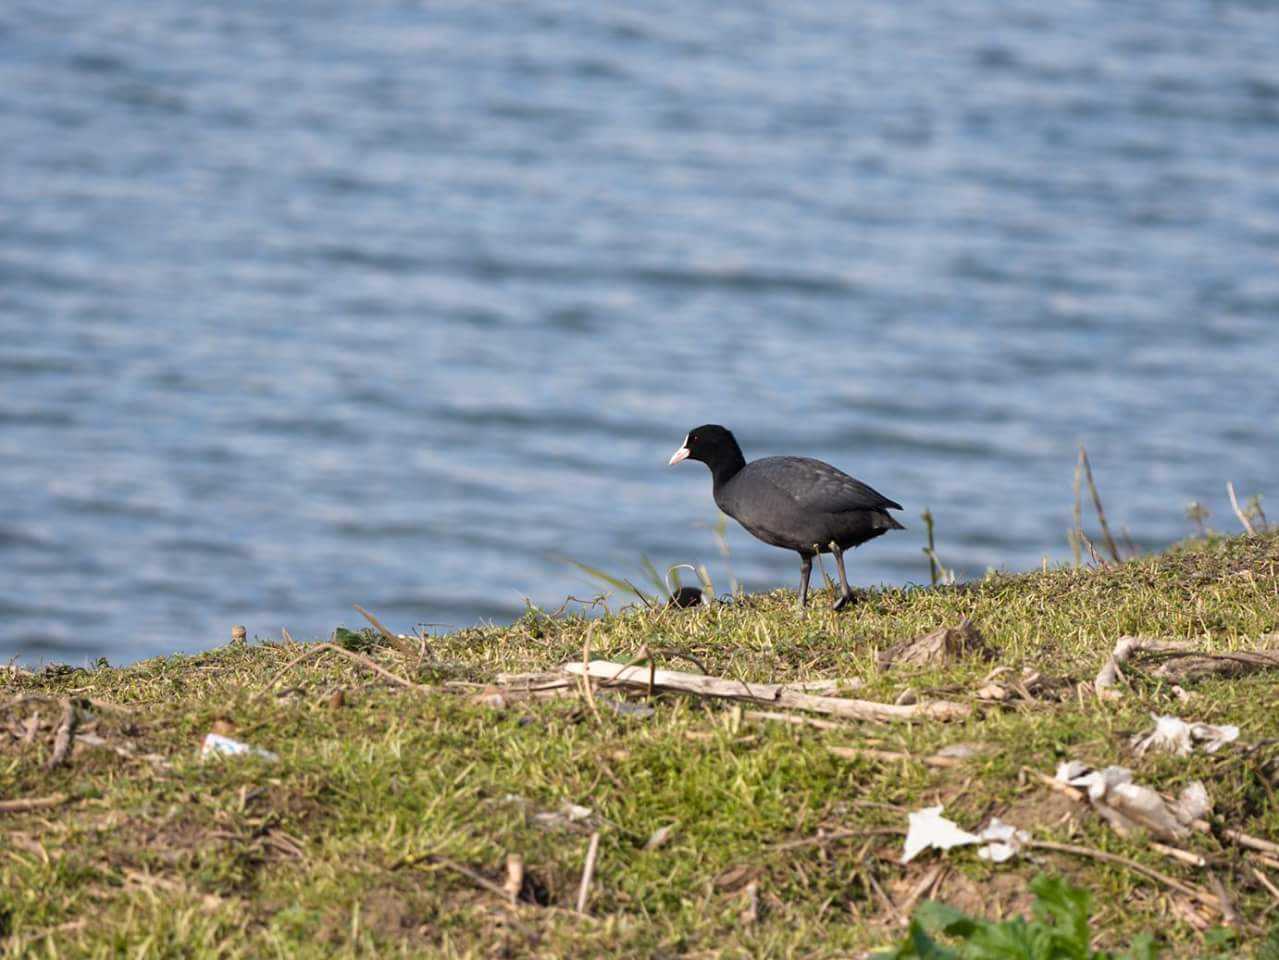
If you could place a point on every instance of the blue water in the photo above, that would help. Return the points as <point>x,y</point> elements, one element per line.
<point>307,305</point>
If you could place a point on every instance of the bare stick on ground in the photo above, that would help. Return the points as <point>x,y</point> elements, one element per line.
<point>769,694</point>
<point>588,872</point>
<point>24,804</point>
<point>1202,896</point>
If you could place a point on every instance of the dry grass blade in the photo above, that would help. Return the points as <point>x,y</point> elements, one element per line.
<point>64,737</point>
<point>1228,909</point>
<point>402,645</point>
<point>588,872</point>
<point>1096,502</point>
<point>476,878</point>
<point>588,693</point>
<point>351,655</point>
<point>1234,505</point>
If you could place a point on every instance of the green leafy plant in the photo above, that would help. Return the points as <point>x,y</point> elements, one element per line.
<point>1059,931</point>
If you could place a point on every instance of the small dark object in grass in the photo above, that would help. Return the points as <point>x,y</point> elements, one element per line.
<point>796,503</point>
<point>687,597</point>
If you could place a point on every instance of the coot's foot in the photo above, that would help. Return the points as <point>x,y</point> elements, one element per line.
<point>843,601</point>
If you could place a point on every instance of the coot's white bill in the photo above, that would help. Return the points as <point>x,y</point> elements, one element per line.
<point>680,454</point>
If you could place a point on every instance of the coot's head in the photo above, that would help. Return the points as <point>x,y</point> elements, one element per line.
<point>711,444</point>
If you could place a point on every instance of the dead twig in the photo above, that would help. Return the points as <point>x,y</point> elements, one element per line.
<point>1234,505</point>
<point>768,694</point>
<point>588,872</point>
<point>931,879</point>
<point>1176,853</point>
<point>1238,837</point>
<point>1265,882</point>
<point>1172,883</point>
<point>24,804</point>
<point>476,878</point>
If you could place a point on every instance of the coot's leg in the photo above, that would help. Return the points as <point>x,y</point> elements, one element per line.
<point>805,570</point>
<point>846,595</point>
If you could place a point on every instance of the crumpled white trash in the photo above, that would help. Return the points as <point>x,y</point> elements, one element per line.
<point>929,829</point>
<point>217,745</point>
<point>1129,806</point>
<point>1174,735</point>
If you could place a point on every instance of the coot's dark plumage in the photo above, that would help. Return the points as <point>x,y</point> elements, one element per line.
<point>797,503</point>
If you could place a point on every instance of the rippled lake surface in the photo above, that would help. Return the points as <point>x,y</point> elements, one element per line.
<point>307,305</point>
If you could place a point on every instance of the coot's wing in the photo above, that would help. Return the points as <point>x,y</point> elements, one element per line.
<point>816,485</point>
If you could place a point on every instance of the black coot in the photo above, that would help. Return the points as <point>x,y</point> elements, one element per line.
<point>798,503</point>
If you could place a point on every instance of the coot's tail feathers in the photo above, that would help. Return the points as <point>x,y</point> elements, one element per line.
<point>886,521</point>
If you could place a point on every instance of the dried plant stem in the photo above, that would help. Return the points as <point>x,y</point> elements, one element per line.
<point>588,872</point>
<point>768,694</point>
<point>1234,505</point>
<point>1202,896</point>
<point>64,737</point>
<point>1096,501</point>
<point>402,645</point>
<point>362,660</point>
<point>23,804</point>
<point>588,693</point>
<point>514,876</point>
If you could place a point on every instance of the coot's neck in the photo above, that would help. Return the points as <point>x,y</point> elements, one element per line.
<point>727,463</point>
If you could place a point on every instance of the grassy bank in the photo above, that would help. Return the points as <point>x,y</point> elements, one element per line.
<point>385,825</point>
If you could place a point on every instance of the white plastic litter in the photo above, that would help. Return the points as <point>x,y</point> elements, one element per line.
<point>568,814</point>
<point>1174,735</point>
<point>1003,841</point>
<point>1129,806</point>
<point>217,745</point>
<point>928,828</point>
<point>1193,804</point>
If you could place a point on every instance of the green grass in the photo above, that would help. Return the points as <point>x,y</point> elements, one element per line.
<point>367,837</point>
